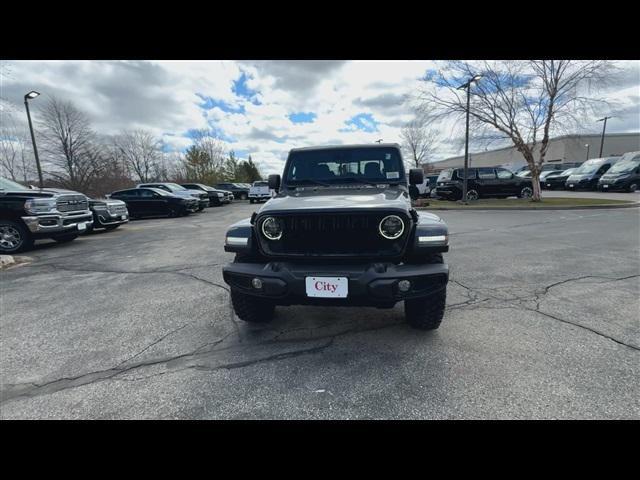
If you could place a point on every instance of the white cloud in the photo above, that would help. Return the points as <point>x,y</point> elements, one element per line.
<point>165,97</point>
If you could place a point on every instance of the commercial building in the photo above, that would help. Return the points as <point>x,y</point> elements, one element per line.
<point>565,149</point>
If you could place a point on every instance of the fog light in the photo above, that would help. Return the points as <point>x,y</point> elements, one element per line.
<point>404,285</point>
<point>256,283</point>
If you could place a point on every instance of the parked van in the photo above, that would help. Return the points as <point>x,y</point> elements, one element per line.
<point>624,175</point>
<point>586,176</point>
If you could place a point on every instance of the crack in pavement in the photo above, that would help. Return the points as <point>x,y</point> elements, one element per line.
<point>473,293</point>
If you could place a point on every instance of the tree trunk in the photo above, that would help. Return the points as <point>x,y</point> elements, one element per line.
<point>535,181</point>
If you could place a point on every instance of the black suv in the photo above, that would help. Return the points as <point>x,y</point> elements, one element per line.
<point>340,231</point>
<point>30,214</point>
<point>147,202</point>
<point>482,182</point>
<point>240,192</point>
<point>108,214</point>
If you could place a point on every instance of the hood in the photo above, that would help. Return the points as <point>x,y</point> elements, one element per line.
<point>575,178</point>
<point>105,201</point>
<point>312,198</point>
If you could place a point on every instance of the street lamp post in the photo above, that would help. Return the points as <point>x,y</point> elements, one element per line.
<point>467,85</point>
<point>587,146</point>
<point>604,128</point>
<point>33,94</point>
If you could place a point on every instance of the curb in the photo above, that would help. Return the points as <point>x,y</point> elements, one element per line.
<point>571,207</point>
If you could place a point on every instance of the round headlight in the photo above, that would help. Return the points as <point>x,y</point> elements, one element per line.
<point>272,228</point>
<point>391,227</point>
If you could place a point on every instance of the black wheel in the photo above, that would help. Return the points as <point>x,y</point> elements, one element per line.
<point>632,187</point>
<point>14,237</point>
<point>472,195</point>
<point>243,196</point>
<point>112,227</point>
<point>526,192</point>
<point>67,237</point>
<point>426,313</point>
<point>251,200</point>
<point>252,309</point>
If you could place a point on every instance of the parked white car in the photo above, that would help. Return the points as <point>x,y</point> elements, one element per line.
<point>259,192</point>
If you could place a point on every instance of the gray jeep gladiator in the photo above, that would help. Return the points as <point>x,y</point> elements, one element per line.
<point>30,214</point>
<point>340,231</point>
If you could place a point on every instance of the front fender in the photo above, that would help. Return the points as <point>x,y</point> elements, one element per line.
<point>239,237</point>
<point>430,235</point>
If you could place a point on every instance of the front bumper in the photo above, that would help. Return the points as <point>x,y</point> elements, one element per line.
<point>373,284</point>
<point>104,218</point>
<point>42,225</point>
<point>203,203</point>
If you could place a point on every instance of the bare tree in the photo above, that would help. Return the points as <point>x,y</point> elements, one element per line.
<point>72,153</point>
<point>141,152</point>
<point>520,101</point>
<point>419,139</point>
<point>16,159</point>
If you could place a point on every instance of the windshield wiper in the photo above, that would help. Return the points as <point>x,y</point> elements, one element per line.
<point>310,180</point>
<point>362,180</point>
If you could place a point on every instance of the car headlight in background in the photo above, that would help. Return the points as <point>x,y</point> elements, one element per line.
<point>220,195</point>
<point>391,227</point>
<point>272,228</point>
<point>40,205</point>
<point>99,207</point>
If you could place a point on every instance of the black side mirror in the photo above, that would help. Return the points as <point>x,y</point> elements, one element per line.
<point>414,193</point>
<point>274,182</point>
<point>416,176</point>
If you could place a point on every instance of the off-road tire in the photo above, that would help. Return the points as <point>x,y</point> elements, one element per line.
<point>25,241</point>
<point>426,313</point>
<point>252,309</point>
<point>65,238</point>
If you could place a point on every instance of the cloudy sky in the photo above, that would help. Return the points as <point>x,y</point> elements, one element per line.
<point>261,108</point>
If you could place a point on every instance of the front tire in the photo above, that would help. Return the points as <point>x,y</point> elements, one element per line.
<point>526,192</point>
<point>14,237</point>
<point>252,309</point>
<point>426,313</point>
<point>632,187</point>
<point>243,196</point>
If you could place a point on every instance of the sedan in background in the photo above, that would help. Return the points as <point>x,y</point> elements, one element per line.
<point>216,197</point>
<point>239,190</point>
<point>557,179</point>
<point>148,202</point>
<point>203,198</point>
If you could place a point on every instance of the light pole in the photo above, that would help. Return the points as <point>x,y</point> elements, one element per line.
<point>30,95</point>
<point>587,146</point>
<point>467,85</point>
<point>604,128</point>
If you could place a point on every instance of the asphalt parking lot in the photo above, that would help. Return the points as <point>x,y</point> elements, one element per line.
<point>542,322</point>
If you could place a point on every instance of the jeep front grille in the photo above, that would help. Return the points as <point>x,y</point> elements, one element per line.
<point>336,234</point>
<point>72,203</point>
<point>117,209</point>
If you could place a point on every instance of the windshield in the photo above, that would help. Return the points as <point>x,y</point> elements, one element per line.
<point>590,166</point>
<point>625,167</point>
<point>6,184</point>
<point>445,175</point>
<point>337,165</point>
<point>260,184</point>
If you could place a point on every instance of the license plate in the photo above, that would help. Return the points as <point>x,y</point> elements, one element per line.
<point>328,287</point>
<point>571,185</point>
<point>123,217</point>
<point>605,186</point>
<point>548,184</point>
<point>82,226</point>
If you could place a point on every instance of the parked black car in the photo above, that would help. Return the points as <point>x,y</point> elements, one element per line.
<point>482,182</point>
<point>108,214</point>
<point>240,192</point>
<point>145,202</point>
<point>624,175</point>
<point>179,190</point>
<point>30,214</point>
<point>340,231</point>
<point>557,179</point>
<point>587,175</point>
<point>216,197</point>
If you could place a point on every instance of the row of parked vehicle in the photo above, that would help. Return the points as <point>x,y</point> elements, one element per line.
<point>615,173</point>
<point>28,214</point>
